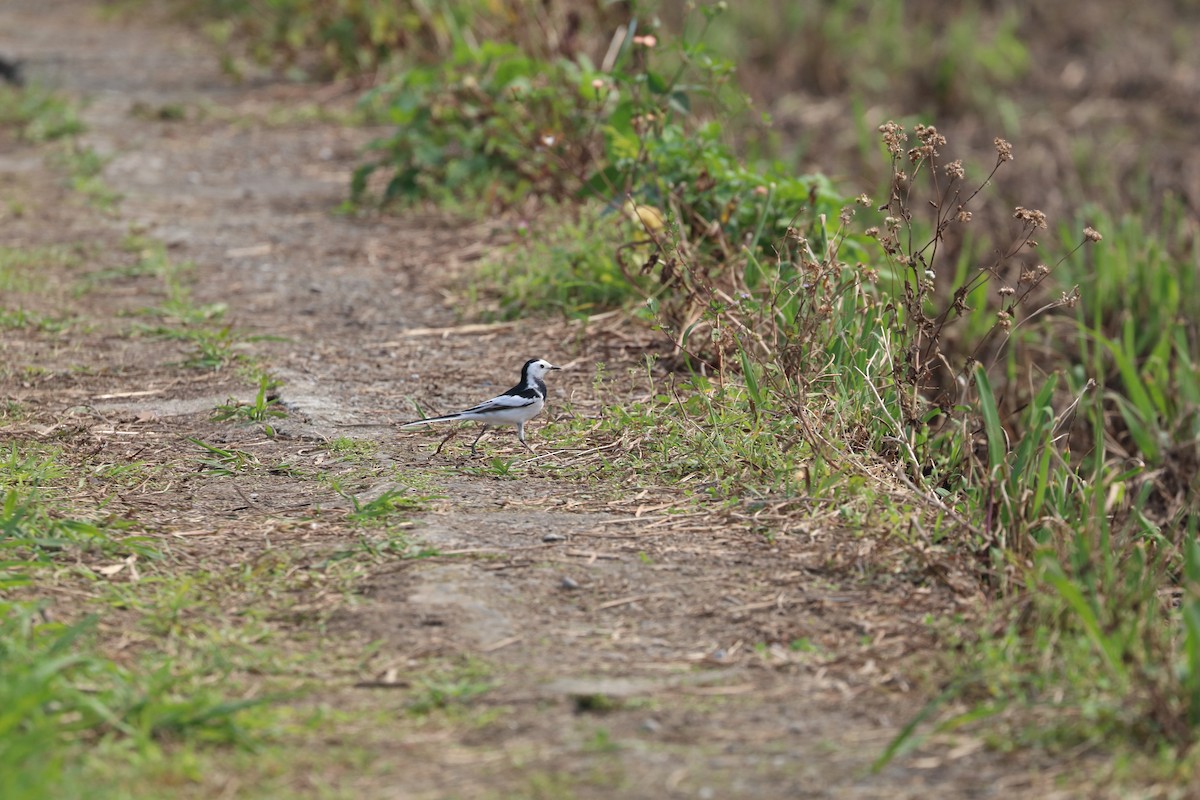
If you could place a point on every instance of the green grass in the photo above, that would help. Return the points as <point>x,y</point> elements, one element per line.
<point>21,268</point>
<point>214,345</point>
<point>449,688</point>
<point>567,267</point>
<point>60,694</point>
<point>381,521</point>
<point>38,115</point>
<point>266,406</point>
<point>215,659</point>
<point>837,364</point>
<point>85,167</point>
<point>355,451</point>
<point>37,527</point>
<point>1059,468</point>
<point>20,319</point>
<point>224,461</point>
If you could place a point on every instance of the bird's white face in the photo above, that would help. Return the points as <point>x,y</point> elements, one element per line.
<point>539,368</point>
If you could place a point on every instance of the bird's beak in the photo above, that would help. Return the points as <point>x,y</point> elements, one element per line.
<point>554,367</point>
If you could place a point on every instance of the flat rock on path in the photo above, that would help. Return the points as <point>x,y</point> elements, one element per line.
<point>667,641</point>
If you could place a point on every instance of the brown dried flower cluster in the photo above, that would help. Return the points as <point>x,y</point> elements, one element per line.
<point>931,140</point>
<point>894,137</point>
<point>1091,234</point>
<point>1035,274</point>
<point>1030,216</point>
<point>955,169</point>
<point>1003,149</point>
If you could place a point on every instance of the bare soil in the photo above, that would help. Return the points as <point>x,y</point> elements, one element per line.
<point>645,653</point>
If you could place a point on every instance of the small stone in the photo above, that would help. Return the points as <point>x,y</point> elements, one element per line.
<point>651,725</point>
<point>554,537</point>
<point>569,583</point>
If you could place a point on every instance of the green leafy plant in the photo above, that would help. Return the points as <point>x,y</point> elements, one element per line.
<point>266,406</point>
<point>493,120</point>
<point>502,120</point>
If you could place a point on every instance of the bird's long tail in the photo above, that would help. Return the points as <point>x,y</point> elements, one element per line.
<point>429,421</point>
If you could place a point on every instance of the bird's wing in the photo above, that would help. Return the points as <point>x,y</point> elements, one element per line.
<point>509,401</point>
<point>504,402</point>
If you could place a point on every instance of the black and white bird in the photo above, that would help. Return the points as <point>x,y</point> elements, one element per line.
<point>515,407</point>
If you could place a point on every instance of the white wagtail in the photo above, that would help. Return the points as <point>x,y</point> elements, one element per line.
<point>515,407</point>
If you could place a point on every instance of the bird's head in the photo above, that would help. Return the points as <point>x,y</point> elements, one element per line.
<point>536,369</point>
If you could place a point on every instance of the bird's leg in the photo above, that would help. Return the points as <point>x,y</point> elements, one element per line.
<point>482,431</point>
<point>521,436</point>
<point>453,432</point>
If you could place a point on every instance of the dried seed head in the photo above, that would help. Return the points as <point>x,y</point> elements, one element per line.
<point>929,135</point>
<point>963,215</point>
<point>930,139</point>
<point>1004,320</point>
<point>894,137</point>
<point>1003,150</point>
<point>1091,234</point>
<point>863,200</point>
<point>872,231</point>
<point>1030,216</point>
<point>955,169</point>
<point>846,215</point>
<point>1007,291</point>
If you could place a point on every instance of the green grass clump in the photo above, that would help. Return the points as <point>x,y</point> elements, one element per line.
<point>38,528</point>
<point>499,121</point>
<point>60,695</point>
<point>569,270</point>
<point>848,356</point>
<point>266,406</point>
<point>22,268</point>
<point>38,115</point>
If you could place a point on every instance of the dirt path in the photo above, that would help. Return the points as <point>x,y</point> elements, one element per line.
<point>631,645</point>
